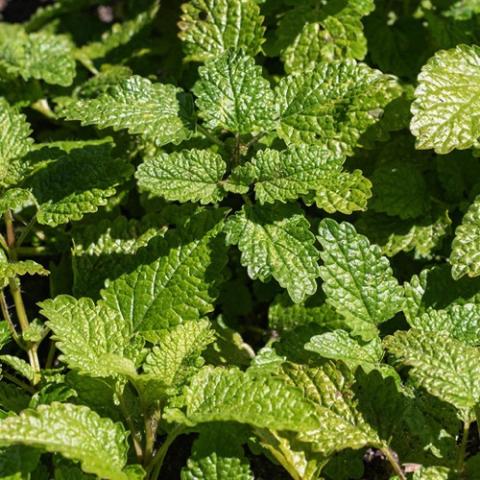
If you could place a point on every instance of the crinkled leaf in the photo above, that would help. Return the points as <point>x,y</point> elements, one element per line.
<point>41,55</point>
<point>445,367</point>
<point>96,340</point>
<point>275,241</point>
<point>15,198</point>
<point>466,244</point>
<point>76,182</point>
<point>333,104</point>
<point>175,357</point>
<point>232,94</point>
<point>220,394</point>
<point>15,142</point>
<point>19,365</point>
<point>433,473</point>
<point>175,279</point>
<point>48,427</point>
<point>444,111</point>
<point>23,267</point>
<point>286,175</point>
<point>357,279</point>
<point>210,27</point>
<point>159,112</point>
<point>339,345</point>
<point>185,176</point>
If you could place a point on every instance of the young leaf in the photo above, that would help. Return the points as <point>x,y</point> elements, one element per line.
<point>210,27</point>
<point>15,142</point>
<point>96,340</point>
<point>357,280</point>
<point>173,360</point>
<point>220,394</point>
<point>76,182</point>
<point>15,198</point>
<point>161,113</point>
<point>40,55</point>
<point>339,345</point>
<point>275,240</point>
<point>444,111</point>
<point>286,175</point>
<point>445,367</point>
<point>333,104</point>
<point>103,454</point>
<point>232,94</point>
<point>19,365</point>
<point>466,244</point>
<point>24,267</point>
<point>185,176</point>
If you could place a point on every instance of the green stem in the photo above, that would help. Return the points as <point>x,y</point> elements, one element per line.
<point>209,135</point>
<point>8,319</point>
<point>51,354</point>
<point>18,382</point>
<point>26,231</point>
<point>3,243</point>
<point>393,462</point>
<point>462,449</point>
<point>136,442</point>
<point>43,107</point>
<point>153,470</point>
<point>151,426</point>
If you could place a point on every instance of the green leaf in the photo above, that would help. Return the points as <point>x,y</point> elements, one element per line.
<point>120,34</point>
<point>461,322</point>
<point>339,345</point>
<point>96,340</point>
<point>15,198</point>
<point>76,182</point>
<point>67,429</point>
<point>176,279</point>
<point>13,398</point>
<point>15,143</point>
<point>23,267</point>
<point>232,94</point>
<point>275,240</point>
<point>19,365</point>
<point>444,111</point>
<point>399,190</point>
<point>445,367</point>
<point>18,462</point>
<point>217,454</point>
<point>220,394</point>
<point>343,192</point>
<point>176,356</point>
<point>357,280</point>
<point>102,250</point>
<point>330,32</point>
<point>465,245</point>
<point>394,235</point>
<point>286,175</point>
<point>185,176</point>
<point>40,55</point>
<point>210,27</point>
<point>333,104</point>
<point>433,473</point>
<point>159,112</point>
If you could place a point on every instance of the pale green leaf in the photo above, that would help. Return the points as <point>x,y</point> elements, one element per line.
<point>15,198</point>
<point>67,429</point>
<point>433,473</point>
<point>175,357</point>
<point>463,9</point>
<point>176,279</point>
<point>286,175</point>
<point>232,94</point>
<point>159,112</point>
<point>333,104</point>
<point>332,31</point>
<point>95,340</point>
<point>342,192</point>
<point>19,365</point>
<point>10,270</point>
<point>15,142</point>
<point>445,367</point>
<point>220,394</point>
<point>275,241</point>
<point>464,257</point>
<point>184,176</point>
<point>357,279</point>
<point>446,103</point>
<point>40,55</point>
<point>339,345</point>
<point>210,27</point>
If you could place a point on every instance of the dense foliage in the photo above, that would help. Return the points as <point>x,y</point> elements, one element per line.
<point>240,236</point>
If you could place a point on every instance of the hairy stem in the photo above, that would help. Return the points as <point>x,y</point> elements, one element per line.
<point>135,438</point>
<point>393,462</point>
<point>462,449</point>
<point>151,426</point>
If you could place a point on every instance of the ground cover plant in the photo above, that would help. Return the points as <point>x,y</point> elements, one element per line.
<point>240,240</point>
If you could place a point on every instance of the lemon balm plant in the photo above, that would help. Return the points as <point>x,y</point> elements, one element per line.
<point>242,233</point>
